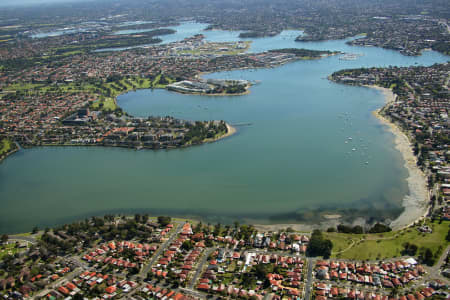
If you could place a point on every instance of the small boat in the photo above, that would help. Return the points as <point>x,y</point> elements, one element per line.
<point>354,149</point>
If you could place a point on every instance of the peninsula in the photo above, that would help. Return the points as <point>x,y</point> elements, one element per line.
<point>78,92</point>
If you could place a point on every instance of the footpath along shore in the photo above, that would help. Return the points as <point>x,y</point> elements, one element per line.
<point>416,202</point>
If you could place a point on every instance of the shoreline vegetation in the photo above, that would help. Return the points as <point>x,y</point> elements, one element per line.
<point>230,131</point>
<point>223,94</point>
<point>7,148</point>
<point>305,54</point>
<point>416,202</point>
<point>367,244</point>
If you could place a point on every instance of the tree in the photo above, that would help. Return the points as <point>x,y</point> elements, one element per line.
<point>248,281</point>
<point>78,297</point>
<point>357,229</point>
<point>4,238</point>
<point>379,228</point>
<point>416,148</point>
<point>236,225</point>
<point>209,243</point>
<point>187,245</point>
<point>144,219</point>
<point>409,249</point>
<point>198,227</point>
<point>394,292</point>
<point>133,271</point>
<point>261,270</point>
<point>171,275</point>
<point>164,221</point>
<point>426,256</point>
<point>217,229</point>
<point>318,246</point>
<point>447,238</point>
<point>137,218</point>
<point>344,228</point>
<point>35,230</point>
<point>109,218</point>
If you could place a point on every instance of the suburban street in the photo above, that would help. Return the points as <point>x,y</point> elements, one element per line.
<point>309,279</point>
<point>200,267</point>
<point>160,250</point>
<point>59,282</point>
<point>435,271</point>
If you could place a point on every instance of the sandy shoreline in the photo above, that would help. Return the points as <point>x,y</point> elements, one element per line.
<point>230,131</point>
<point>416,202</point>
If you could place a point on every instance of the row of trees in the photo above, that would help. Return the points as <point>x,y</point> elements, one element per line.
<point>237,231</point>
<point>377,228</point>
<point>424,254</point>
<point>56,242</point>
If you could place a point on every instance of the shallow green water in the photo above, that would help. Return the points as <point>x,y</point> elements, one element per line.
<point>290,164</point>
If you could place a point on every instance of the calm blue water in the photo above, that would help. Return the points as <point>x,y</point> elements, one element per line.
<point>291,163</point>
